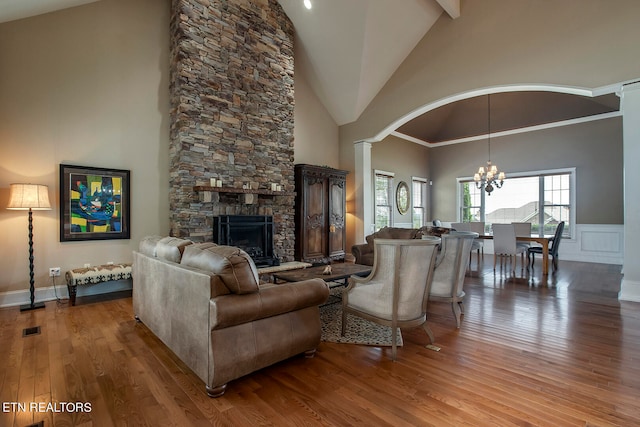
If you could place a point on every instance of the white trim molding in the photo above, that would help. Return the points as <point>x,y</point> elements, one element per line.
<point>51,293</point>
<point>494,135</point>
<point>573,90</point>
<point>629,291</point>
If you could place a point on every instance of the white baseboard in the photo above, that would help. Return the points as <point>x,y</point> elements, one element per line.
<point>629,291</point>
<point>15,298</point>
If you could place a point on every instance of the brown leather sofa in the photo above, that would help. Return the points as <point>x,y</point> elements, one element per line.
<point>205,303</point>
<point>364,252</point>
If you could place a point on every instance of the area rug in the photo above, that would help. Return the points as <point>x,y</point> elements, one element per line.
<point>359,331</point>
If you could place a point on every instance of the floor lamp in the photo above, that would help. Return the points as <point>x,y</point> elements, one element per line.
<point>31,197</point>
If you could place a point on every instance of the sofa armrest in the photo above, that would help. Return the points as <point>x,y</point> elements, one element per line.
<point>271,300</point>
<point>359,251</point>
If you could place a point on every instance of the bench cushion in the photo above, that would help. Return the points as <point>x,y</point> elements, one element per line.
<point>98,274</point>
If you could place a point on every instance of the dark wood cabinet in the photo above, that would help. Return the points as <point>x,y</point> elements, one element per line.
<point>320,214</point>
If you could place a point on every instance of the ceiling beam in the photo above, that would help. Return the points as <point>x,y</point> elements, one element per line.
<point>452,7</point>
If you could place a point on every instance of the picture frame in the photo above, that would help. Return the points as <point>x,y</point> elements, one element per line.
<point>94,203</point>
<point>402,198</point>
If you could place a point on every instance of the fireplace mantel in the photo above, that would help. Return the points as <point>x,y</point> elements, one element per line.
<point>261,192</point>
<point>206,192</point>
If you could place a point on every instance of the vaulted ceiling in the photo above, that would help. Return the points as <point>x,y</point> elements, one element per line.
<point>348,49</point>
<point>11,10</point>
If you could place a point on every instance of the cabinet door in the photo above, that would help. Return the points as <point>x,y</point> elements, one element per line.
<point>315,220</point>
<point>337,231</point>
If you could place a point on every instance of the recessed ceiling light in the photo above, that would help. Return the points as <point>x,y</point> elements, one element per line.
<point>307,4</point>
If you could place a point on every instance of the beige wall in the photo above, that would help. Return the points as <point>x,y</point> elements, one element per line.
<point>405,160</point>
<point>315,133</point>
<point>593,148</point>
<point>85,86</point>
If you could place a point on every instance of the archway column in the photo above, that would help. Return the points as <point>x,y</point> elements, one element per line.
<point>363,191</point>
<point>630,106</point>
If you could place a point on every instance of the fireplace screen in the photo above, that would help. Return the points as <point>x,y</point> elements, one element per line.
<point>251,233</point>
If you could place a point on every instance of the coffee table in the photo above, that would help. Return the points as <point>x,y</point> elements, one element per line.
<point>339,271</point>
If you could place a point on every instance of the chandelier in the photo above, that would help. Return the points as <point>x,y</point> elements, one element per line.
<point>489,177</point>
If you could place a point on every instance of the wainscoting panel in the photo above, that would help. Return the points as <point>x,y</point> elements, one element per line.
<point>599,243</point>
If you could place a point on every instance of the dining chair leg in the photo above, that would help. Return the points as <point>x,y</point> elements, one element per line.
<point>456,312</point>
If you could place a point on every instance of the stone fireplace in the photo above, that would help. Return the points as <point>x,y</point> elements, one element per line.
<point>232,100</point>
<point>251,233</point>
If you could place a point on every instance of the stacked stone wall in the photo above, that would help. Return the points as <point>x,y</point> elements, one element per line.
<point>232,100</point>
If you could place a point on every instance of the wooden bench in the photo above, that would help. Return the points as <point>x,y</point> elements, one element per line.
<point>94,275</point>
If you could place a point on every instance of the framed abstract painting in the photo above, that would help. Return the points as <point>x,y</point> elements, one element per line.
<point>94,203</point>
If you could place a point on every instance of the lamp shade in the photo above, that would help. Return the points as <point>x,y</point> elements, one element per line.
<point>29,196</point>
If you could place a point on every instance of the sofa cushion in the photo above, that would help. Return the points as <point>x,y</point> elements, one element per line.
<point>392,233</point>
<point>429,230</point>
<point>234,266</point>
<point>148,245</point>
<point>171,248</point>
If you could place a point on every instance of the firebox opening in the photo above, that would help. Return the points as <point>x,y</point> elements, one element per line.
<point>251,233</point>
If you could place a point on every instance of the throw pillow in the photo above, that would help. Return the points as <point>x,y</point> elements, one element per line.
<point>171,248</point>
<point>233,265</point>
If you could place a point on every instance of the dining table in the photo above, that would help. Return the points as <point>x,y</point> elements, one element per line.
<point>543,241</point>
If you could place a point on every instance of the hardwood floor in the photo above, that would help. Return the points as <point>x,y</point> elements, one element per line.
<point>564,352</point>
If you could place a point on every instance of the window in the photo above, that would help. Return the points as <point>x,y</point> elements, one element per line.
<point>557,201</point>
<point>542,198</point>
<point>471,203</point>
<point>419,216</point>
<point>384,198</point>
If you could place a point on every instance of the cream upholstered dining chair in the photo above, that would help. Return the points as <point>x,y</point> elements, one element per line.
<point>396,291</point>
<point>450,269</point>
<point>478,245</point>
<point>475,227</point>
<point>504,244</point>
<point>523,229</point>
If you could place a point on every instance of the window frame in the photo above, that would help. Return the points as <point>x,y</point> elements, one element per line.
<point>423,192</point>
<point>390,197</point>
<point>569,229</point>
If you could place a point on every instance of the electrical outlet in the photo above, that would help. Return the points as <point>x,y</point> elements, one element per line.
<point>54,271</point>
<point>87,265</point>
